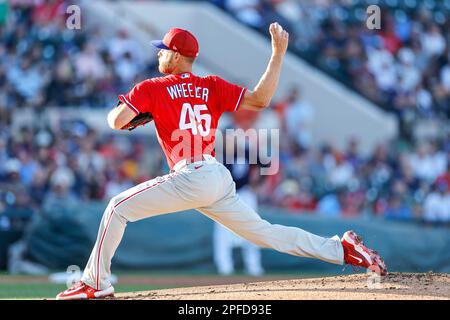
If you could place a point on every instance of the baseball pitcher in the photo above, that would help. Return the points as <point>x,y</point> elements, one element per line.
<point>186,110</point>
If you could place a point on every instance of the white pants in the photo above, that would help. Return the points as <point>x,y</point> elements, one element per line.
<point>224,242</point>
<point>208,187</point>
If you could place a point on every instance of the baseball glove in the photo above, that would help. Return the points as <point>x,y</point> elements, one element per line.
<point>137,121</point>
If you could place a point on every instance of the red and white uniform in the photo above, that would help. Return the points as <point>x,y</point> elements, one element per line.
<point>186,110</point>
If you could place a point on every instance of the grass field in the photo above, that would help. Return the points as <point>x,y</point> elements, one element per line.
<point>39,287</point>
<point>49,290</point>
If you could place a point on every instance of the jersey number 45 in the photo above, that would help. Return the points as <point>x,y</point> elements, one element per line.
<point>193,119</point>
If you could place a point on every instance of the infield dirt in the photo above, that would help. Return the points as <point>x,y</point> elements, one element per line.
<point>394,286</point>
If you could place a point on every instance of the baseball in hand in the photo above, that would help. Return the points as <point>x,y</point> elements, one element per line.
<point>278,28</point>
<point>280,37</point>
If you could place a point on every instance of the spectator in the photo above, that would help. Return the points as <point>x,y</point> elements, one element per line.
<point>409,74</point>
<point>28,167</point>
<point>330,205</point>
<point>28,81</point>
<point>445,76</point>
<point>38,188</point>
<point>445,177</point>
<point>49,11</point>
<point>117,184</point>
<point>60,196</point>
<point>126,68</point>
<point>89,64</point>
<point>398,210</point>
<point>247,11</point>
<point>433,42</point>
<point>19,210</point>
<point>285,194</point>
<point>88,157</point>
<point>381,61</point>
<point>437,205</point>
<point>341,174</point>
<point>122,44</point>
<point>12,172</point>
<point>353,154</point>
<point>427,163</point>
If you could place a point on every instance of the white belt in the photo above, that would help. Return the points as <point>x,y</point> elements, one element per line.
<point>183,163</point>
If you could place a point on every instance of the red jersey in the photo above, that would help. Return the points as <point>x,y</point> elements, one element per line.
<point>186,110</point>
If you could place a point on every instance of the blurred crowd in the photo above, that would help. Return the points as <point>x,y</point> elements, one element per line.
<point>43,168</point>
<point>404,66</point>
<point>42,64</point>
<point>399,180</point>
<point>54,169</point>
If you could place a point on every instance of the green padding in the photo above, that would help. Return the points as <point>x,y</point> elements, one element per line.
<point>7,238</point>
<point>58,240</point>
<point>184,241</point>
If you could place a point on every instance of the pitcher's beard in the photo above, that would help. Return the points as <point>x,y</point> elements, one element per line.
<point>165,68</point>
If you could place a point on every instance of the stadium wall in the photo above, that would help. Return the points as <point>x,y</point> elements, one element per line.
<point>183,241</point>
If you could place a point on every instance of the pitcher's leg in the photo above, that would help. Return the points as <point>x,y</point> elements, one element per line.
<point>245,222</point>
<point>110,233</point>
<point>154,197</point>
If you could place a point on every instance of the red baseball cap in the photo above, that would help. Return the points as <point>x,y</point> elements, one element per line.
<point>179,40</point>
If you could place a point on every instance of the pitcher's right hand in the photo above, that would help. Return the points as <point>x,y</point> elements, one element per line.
<point>280,38</point>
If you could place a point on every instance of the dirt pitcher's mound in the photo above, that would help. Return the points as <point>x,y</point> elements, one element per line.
<point>359,286</point>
